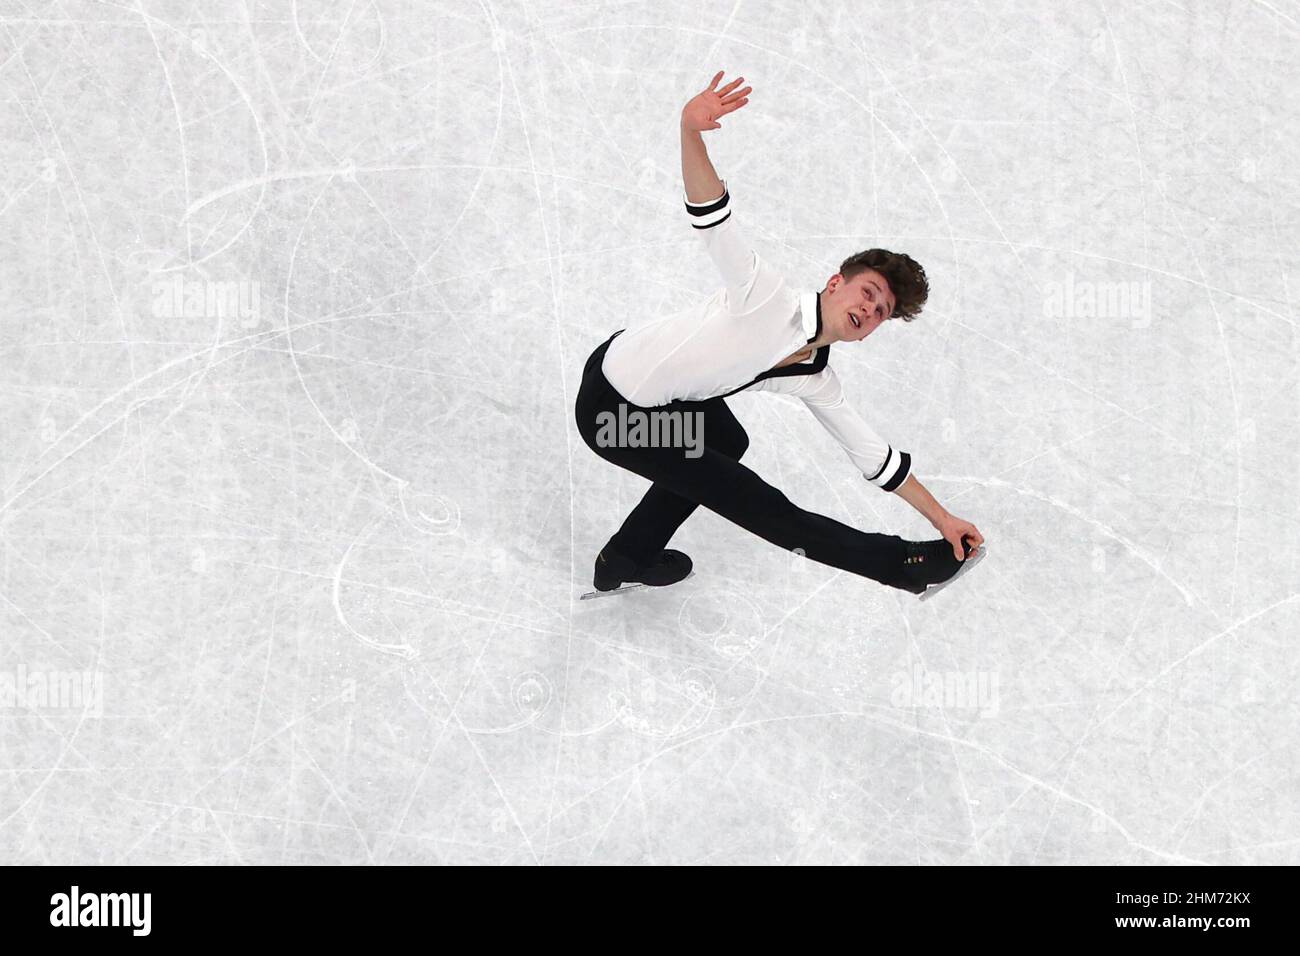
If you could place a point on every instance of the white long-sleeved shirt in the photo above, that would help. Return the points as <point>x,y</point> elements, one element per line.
<point>733,339</point>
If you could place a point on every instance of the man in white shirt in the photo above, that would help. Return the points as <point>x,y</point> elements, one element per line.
<point>669,377</point>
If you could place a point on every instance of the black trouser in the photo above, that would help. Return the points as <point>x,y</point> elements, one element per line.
<point>718,481</point>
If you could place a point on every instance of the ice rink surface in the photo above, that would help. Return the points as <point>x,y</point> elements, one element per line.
<point>294,515</point>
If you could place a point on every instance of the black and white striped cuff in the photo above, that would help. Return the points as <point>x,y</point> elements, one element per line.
<point>705,215</point>
<point>897,466</point>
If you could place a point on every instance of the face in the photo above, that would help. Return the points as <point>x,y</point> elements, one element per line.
<point>859,305</point>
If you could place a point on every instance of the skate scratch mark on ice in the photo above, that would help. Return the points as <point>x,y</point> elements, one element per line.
<point>624,653</point>
<point>129,410</point>
<point>465,380</point>
<point>1137,133</point>
<point>1093,723</point>
<point>221,772</point>
<point>721,33</point>
<point>540,728</point>
<point>1105,529</point>
<point>1069,381</point>
<point>68,741</point>
<point>1069,797</point>
<point>329,172</point>
<point>293,259</point>
<point>1197,650</point>
<point>140,380</point>
<point>967,803</point>
<point>551,260</point>
<point>453,714</point>
<point>1016,592</point>
<point>642,765</point>
<point>181,142</point>
<point>328,62</point>
<point>1193,812</point>
<point>762,676</point>
<point>1155,270</point>
<point>253,115</point>
<point>282,819</point>
<point>1236,410</point>
<point>401,483</point>
<point>399,650</point>
<point>256,722</point>
<point>74,181</point>
<point>1012,587</point>
<point>458,328</point>
<point>40,630</point>
<point>18,193</point>
<point>225,833</point>
<point>443,604</point>
<point>1277,13</point>
<point>449,230</point>
<point>505,70</point>
<point>938,196</point>
<point>1065,444</point>
<point>1063,775</point>
<point>1014,247</point>
<point>302,746</point>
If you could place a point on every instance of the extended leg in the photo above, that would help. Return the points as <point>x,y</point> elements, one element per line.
<point>732,490</point>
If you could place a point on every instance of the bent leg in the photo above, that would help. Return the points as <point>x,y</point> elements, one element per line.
<point>661,511</point>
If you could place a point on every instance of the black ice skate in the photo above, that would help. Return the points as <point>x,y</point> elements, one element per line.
<point>930,566</point>
<point>617,575</point>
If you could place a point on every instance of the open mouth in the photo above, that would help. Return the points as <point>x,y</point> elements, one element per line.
<point>857,324</point>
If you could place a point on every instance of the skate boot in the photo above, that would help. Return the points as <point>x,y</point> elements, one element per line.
<point>663,568</point>
<point>930,566</point>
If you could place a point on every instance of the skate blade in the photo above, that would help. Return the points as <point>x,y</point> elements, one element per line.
<point>592,595</point>
<point>975,558</point>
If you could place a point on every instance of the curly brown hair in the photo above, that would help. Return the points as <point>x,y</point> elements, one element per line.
<point>904,274</point>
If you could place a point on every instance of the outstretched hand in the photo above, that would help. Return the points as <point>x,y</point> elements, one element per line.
<point>954,529</point>
<point>704,108</point>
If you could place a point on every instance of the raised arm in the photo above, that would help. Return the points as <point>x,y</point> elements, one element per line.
<point>699,114</point>
<point>708,203</point>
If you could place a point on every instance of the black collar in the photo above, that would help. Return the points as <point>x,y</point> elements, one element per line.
<point>815,335</point>
<point>798,368</point>
<point>808,302</point>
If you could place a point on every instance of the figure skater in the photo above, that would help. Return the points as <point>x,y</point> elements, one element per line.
<point>755,334</point>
